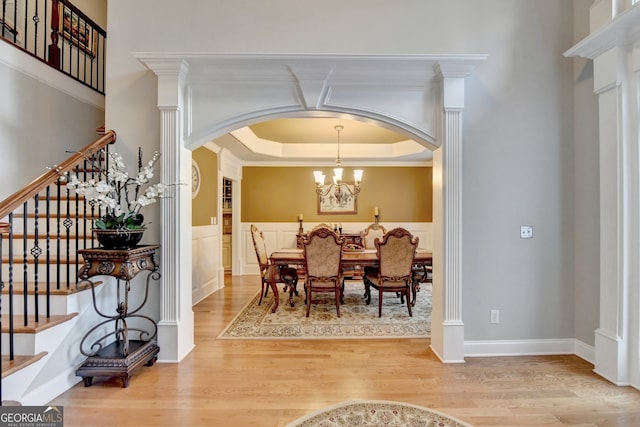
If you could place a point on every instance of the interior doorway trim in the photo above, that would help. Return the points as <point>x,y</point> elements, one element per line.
<point>421,95</point>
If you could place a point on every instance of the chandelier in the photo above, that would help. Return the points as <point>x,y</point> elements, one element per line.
<point>339,189</point>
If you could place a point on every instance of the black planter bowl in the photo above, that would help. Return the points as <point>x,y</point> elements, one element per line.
<point>118,239</point>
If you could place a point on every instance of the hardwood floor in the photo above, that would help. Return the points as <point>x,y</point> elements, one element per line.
<point>270,383</point>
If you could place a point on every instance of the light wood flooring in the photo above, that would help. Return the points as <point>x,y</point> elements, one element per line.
<point>270,383</point>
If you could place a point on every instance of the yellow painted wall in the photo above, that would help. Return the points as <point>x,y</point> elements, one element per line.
<point>280,194</point>
<point>205,205</point>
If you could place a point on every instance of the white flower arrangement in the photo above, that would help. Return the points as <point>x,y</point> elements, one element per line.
<point>119,196</point>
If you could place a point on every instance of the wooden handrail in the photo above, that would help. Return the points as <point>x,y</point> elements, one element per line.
<point>18,198</point>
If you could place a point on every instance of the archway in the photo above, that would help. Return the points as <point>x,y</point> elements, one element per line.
<point>421,95</point>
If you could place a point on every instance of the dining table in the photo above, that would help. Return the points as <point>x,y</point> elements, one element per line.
<point>358,258</point>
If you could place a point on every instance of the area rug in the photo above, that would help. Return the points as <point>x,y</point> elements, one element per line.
<point>377,413</point>
<point>357,319</point>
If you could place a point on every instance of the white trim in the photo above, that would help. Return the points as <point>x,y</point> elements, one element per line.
<point>38,70</point>
<point>529,348</point>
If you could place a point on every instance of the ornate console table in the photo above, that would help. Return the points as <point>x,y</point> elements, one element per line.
<point>122,356</point>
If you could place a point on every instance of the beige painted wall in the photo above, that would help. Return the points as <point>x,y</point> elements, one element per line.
<point>205,205</point>
<point>280,194</point>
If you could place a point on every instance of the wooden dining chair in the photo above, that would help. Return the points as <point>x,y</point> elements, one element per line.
<point>371,233</point>
<point>323,225</point>
<point>322,250</point>
<point>286,275</point>
<point>396,252</point>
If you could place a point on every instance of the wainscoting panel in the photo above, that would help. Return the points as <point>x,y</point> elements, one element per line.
<point>206,260</point>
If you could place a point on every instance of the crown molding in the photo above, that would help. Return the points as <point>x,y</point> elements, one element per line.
<point>623,30</point>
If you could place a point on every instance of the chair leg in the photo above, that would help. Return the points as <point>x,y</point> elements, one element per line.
<point>263,293</point>
<point>380,302</point>
<point>367,292</point>
<point>409,304</point>
<point>307,290</point>
<point>338,298</point>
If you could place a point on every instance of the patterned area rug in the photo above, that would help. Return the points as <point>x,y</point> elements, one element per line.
<point>377,413</point>
<point>357,319</point>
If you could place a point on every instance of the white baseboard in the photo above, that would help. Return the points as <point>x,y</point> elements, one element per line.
<point>529,348</point>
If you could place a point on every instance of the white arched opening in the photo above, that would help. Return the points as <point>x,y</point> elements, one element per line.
<point>203,96</point>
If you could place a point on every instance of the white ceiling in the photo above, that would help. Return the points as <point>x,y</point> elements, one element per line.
<point>304,140</point>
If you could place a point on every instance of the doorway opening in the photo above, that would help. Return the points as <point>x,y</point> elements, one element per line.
<point>227,225</point>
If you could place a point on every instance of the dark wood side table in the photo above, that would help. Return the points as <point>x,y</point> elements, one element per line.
<point>122,356</point>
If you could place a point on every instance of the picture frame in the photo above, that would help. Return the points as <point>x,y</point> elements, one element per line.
<point>77,31</point>
<point>337,199</point>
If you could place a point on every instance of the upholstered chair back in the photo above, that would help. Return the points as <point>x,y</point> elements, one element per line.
<point>260,247</point>
<point>371,233</point>
<point>396,251</point>
<point>323,253</point>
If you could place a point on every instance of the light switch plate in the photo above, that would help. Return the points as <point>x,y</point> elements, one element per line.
<point>526,232</point>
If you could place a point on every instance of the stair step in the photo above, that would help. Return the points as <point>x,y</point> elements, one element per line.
<point>33,326</point>
<point>53,236</point>
<point>19,362</point>
<point>42,260</point>
<point>18,288</point>
<point>43,215</point>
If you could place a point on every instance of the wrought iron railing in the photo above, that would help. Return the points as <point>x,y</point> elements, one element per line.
<point>41,228</point>
<point>59,34</point>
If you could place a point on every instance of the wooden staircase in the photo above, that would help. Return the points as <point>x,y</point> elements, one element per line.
<point>44,315</point>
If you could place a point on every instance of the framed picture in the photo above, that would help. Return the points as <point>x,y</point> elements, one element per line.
<point>77,31</point>
<point>337,199</point>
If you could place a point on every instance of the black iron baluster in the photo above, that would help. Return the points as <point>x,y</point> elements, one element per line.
<point>48,248</point>
<point>11,327</point>
<point>58,236</point>
<point>4,16</point>
<point>77,42</point>
<point>35,253</point>
<point>96,57</point>
<point>44,39</point>
<point>36,21</point>
<point>25,264</point>
<point>26,21</point>
<point>84,210</point>
<point>68,223</point>
<point>77,228</point>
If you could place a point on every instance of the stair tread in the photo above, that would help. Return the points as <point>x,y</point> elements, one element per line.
<point>63,236</point>
<point>19,362</point>
<point>43,260</point>
<point>33,326</point>
<point>18,288</point>
<point>78,215</point>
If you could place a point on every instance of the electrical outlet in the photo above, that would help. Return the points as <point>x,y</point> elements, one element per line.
<point>526,232</point>
<point>495,316</point>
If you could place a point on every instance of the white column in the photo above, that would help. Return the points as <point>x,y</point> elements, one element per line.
<point>448,329</point>
<point>616,339</point>
<point>175,326</point>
